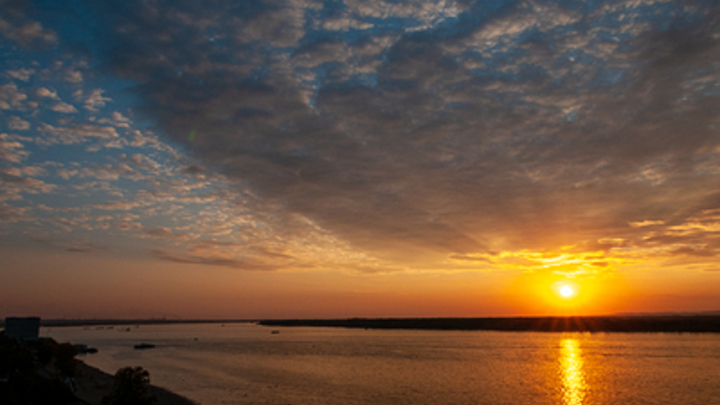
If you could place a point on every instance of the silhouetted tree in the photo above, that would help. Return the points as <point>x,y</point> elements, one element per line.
<point>65,359</point>
<point>130,388</point>
<point>45,350</point>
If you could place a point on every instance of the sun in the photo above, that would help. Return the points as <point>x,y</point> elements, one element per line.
<point>566,291</point>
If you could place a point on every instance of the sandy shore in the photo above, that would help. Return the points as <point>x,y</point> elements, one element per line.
<point>93,384</point>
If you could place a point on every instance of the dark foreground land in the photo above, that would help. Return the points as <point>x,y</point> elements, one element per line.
<point>693,324</point>
<point>93,384</point>
<point>44,372</point>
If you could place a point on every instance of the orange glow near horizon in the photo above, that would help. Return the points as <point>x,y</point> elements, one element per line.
<point>183,290</point>
<point>565,280</point>
<point>567,288</point>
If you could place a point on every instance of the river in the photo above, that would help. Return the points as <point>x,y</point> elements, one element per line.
<point>248,364</point>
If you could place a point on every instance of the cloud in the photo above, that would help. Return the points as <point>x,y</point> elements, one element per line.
<point>44,92</point>
<point>9,213</point>
<point>95,100</point>
<point>117,205</point>
<point>64,108</point>
<point>11,150</point>
<point>66,174</point>
<point>76,246</point>
<point>18,124</point>
<point>471,258</point>
<point>13,182</point>
<point>214,260</point>
<point>142,162</point>
<point>418,133</point>
<point>78,133</point>
<point>282,27</point>
<point>20,74</point>
<point>344,24</point>
<point>647,222</point>
<point>73,76</point>
<point>117,119</point>
<point>420,157</point>
<point>11,98</point>
<point>111,172</point>
<point>168,234</point>
<point>146,139</point>
<point>32,171</point>
<point>27,33</point>
<point>165,233</point>
<point>129,226</point>
<point>422,14</point>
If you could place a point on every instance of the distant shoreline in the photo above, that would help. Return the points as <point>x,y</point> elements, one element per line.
<point>680,323</point>
<point>130,322</point>
<point>622,324</point>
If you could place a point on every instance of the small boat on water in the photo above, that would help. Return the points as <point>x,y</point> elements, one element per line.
<point>144,346</point>
<point>84,349</point>
<point>275,332</point>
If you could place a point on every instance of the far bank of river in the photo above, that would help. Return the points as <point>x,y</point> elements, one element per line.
<point>623,324</point>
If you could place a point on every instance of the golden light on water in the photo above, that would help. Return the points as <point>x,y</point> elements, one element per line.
<point>571,370</point>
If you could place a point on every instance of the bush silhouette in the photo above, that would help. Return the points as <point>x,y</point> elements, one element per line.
<point>65,359</point>
<point>130,388</point>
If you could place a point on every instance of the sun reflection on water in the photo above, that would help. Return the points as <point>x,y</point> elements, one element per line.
<point>573,378</point>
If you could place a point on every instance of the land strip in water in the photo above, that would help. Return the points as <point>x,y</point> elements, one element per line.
<point>627,324</point>
<point>131,322</point>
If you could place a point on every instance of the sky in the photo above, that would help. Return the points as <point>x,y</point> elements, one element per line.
<point>318,159</point>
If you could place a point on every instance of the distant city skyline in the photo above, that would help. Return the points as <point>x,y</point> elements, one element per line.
<point>309,158</point>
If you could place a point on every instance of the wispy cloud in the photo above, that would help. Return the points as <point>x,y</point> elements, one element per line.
<point>214,260</point>
<point>20,74</point>
<point>95,100</point>
<point>75,134</point>
<point>64,108</point>
<point>18,124</point>
<point>11,98</point>
<point>44,92</point>
<point>11,150</point>
<point>27,33</point>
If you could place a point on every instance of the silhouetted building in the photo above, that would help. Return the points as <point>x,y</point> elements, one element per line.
<point>22,328</point>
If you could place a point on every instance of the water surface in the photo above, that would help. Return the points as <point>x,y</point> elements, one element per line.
<point>246,364</point>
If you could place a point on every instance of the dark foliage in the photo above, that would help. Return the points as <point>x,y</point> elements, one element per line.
<point>65,359</point>
<point>130,388</point>
<point>20,380</point>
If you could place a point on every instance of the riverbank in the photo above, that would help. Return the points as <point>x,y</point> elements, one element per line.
<point>623,324</point>
<point>92,384</point>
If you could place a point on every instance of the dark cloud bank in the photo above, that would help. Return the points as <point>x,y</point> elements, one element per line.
<point>500,125</point>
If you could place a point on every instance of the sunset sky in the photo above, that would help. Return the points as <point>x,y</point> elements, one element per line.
<point>303,158</point>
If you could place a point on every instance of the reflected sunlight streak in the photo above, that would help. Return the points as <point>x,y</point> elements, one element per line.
<point>573,378</point>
